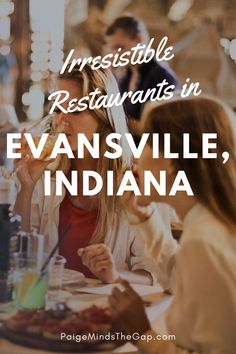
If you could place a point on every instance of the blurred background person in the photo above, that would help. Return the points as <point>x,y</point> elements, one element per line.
<point>125,33</point>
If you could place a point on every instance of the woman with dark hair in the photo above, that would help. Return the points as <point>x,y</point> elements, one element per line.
<point>202,315</point>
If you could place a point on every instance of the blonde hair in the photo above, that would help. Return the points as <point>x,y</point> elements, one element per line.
<point>111,120</point>
<point>213,184</point>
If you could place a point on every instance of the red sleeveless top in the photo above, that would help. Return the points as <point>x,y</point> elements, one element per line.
<point>83,224</point>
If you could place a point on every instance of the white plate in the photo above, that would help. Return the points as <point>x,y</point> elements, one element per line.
<point>142,290</point>
<point>72,277</point>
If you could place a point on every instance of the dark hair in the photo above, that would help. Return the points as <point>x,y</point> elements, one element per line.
<point>129,24</point>
<point>213,184</point>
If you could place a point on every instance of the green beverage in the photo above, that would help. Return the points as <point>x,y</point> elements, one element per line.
<point>29,288</point>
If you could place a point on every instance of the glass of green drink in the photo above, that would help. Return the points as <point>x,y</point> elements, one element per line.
<point>29,288</point>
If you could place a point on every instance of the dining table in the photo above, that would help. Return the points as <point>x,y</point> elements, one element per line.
<point>83,294</point>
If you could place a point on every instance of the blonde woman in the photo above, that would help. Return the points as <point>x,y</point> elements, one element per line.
<point>100,242</point>
<point>203,312</point>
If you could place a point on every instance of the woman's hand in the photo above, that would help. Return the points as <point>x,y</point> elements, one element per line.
<point>29,170</point>
<point>128,312</point>
<point>99,260</point>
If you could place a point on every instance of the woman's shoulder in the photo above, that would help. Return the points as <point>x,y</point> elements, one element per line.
<point>45,201</point>
<point>203,228</point>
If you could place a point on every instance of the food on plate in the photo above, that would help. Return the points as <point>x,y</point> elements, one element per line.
<point>51,323</point>
<point>70,277</point>
<point>30,321</point>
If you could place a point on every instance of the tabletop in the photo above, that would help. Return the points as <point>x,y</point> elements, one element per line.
<point>83,296</point>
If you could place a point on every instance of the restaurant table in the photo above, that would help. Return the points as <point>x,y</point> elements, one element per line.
<point>77,298</point>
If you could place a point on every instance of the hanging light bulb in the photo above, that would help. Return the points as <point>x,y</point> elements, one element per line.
<point>6,9</point>
<point>232,49</point>
<point>47,25</point>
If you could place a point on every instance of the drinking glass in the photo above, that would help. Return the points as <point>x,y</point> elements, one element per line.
<point>56,277</point>
<point>29,285</point>
<point>44,125</point>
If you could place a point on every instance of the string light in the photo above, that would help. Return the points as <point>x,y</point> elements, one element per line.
<point>229,47</point>
<point>47,42</point>
<point>179,9</point>
<point>6,9</point>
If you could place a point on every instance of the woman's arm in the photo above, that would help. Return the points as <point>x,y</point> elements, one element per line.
<point>129,317</point>
<point>156,238</point>
<point>23,207</point>
<point>138,276</point>
<point>99,260</point>
<point>28,171</point>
